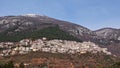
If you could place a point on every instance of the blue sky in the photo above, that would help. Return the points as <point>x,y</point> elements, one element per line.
<point>93,14</point>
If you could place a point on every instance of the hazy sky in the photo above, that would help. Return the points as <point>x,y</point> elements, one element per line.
<point>93,14</point>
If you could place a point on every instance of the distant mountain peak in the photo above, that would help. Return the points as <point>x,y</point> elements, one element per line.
<point>110,33</point>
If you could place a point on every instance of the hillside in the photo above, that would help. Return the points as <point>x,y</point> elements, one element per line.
<point>49,32</point>
<point>111,34</point>
<point>22,23</point>
<point>13,24</point>
<point>70,44</point>
<point>15,28</point>
<point>43,59</point>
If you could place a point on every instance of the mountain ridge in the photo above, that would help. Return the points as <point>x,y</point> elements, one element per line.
<point>30,21</point>
<point>27,23</point>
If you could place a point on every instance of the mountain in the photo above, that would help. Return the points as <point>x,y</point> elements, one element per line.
<point>9,25</point>
<point>110,38</point>
<point>109,33</point>
<point>32,26</point>
<point>30,22</point>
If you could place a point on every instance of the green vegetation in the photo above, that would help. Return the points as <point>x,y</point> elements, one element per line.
<point>22,65</point>
<point>44,65</point>
<point>8,64</point>
<point>50,33</point>
<point>115,65</point>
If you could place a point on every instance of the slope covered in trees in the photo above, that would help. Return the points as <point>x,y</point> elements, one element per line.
<point>50,33</point>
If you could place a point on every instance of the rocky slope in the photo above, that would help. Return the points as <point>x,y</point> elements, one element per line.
<point>109,33</point>
<point>32,22</point>
<point>111,36</point>
<point>13,24</point>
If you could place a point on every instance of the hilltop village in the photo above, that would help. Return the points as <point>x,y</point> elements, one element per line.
<point>53,46</point>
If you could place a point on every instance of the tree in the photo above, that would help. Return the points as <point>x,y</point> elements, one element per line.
<point>10,64</point>
<point>22,65</point>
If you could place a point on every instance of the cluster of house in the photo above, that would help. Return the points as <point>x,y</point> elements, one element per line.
<point>54,46</point>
